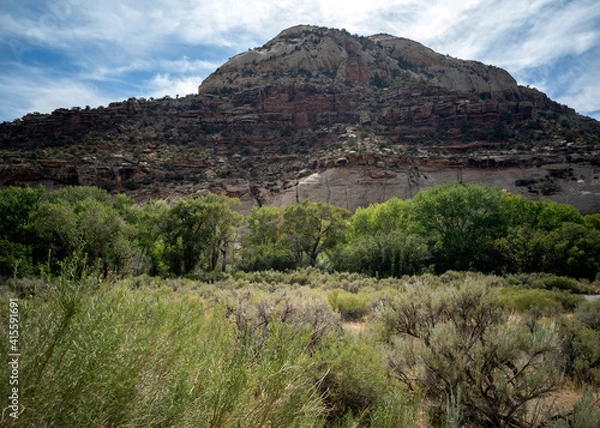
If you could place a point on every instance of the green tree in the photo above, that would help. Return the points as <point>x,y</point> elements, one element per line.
<point>548,237</point>
<point>90,226</point>
<point>105,235</point>
<point>73,195</point>
<point>150,219</point>
<point>395,253</point>
<point>57,230</point>
<point>520,250</point>
<point>520,211</point>
<point>379,241</point>
<point>264,243</point>
<point>314,227</point>
<point>265,225</point>
<point>199,231</point>
<point>17,234</point>
<point>571,250</point>
<point>461,223</point>
<point>592,221</point>
<point>87,221</point>
<point>386,217</point>
<point>552,215</point>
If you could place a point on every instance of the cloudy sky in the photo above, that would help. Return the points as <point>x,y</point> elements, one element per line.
<point>66,53</point>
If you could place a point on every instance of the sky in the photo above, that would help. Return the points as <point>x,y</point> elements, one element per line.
<point>77,53</point>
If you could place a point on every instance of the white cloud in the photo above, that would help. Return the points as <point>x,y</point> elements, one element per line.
<point>66,93</point>
<point>570,31</point>
<point>32,92</point>
<point>165,84</point>
<point>585,100</point>
<point>187,65</point>
<point>184,65</point>
<point>576,83</point>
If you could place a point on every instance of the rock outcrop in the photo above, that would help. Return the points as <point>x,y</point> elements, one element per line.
<point>328,56</point>
<point>319,113</point>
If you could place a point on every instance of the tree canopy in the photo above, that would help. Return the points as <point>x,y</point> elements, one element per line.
<point>448,227</point>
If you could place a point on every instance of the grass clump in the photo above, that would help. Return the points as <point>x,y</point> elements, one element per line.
<point>351,306</point>
<point>547,301</point>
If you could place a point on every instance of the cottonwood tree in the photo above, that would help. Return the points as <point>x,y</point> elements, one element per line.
<point>548,237</point>
<point>389,216</point>
<point>199,231</point>
<point>380,241</point>
<point>392,254</point>
<point>17,235</point>
<point>264,243</point>
<point>84,220</point>
<point>461,223</point>
<point>150,219</point>
<point>57,231</point>
<point>313,227</point>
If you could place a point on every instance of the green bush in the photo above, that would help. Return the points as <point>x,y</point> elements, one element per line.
<point>255,310</point>
<point>549,301</point>
<point>24,287</point>
<point>562,283</point>
<point>582,343</point>
<point>588,314</point>
<point>351,306</point>
<point>585,414</point>
<point>356,382</point>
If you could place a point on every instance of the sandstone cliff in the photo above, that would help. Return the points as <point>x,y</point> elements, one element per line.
<point>319,113</point>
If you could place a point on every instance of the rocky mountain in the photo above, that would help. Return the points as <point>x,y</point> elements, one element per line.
<point>319,113</point>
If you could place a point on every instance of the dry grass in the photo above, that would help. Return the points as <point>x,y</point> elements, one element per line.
<point>357,328</point>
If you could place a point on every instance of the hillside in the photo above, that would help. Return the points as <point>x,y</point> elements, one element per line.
<point>322,114</point>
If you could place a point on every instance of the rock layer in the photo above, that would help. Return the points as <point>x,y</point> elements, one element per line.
<point>322,114</point>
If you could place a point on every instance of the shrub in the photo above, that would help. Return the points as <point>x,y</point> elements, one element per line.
<point>585,354</point>
<point>456,338</point>
<point>356,383</point>
<point>24,287</point>
<point>588,313</point>
<point>582,343</point>
<point>254,311</point>
<point>154,357</point>
<point>351,306</point>
<point>584,415</point>
<point>562,283</point>
<point>548,301</point>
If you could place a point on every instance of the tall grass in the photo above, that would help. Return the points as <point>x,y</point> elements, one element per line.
<point>117,357</point>
<point>108,355</point>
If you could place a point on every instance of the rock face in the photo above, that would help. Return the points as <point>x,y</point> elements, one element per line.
<point>319,113</point>
<point>335,57</point>
<point>355,187</point>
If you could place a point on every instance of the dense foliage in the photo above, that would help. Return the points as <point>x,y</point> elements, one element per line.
<point>448,227</point>
<point>275,349</point>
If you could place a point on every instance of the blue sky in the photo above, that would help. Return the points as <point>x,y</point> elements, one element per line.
<point>66,53</point>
